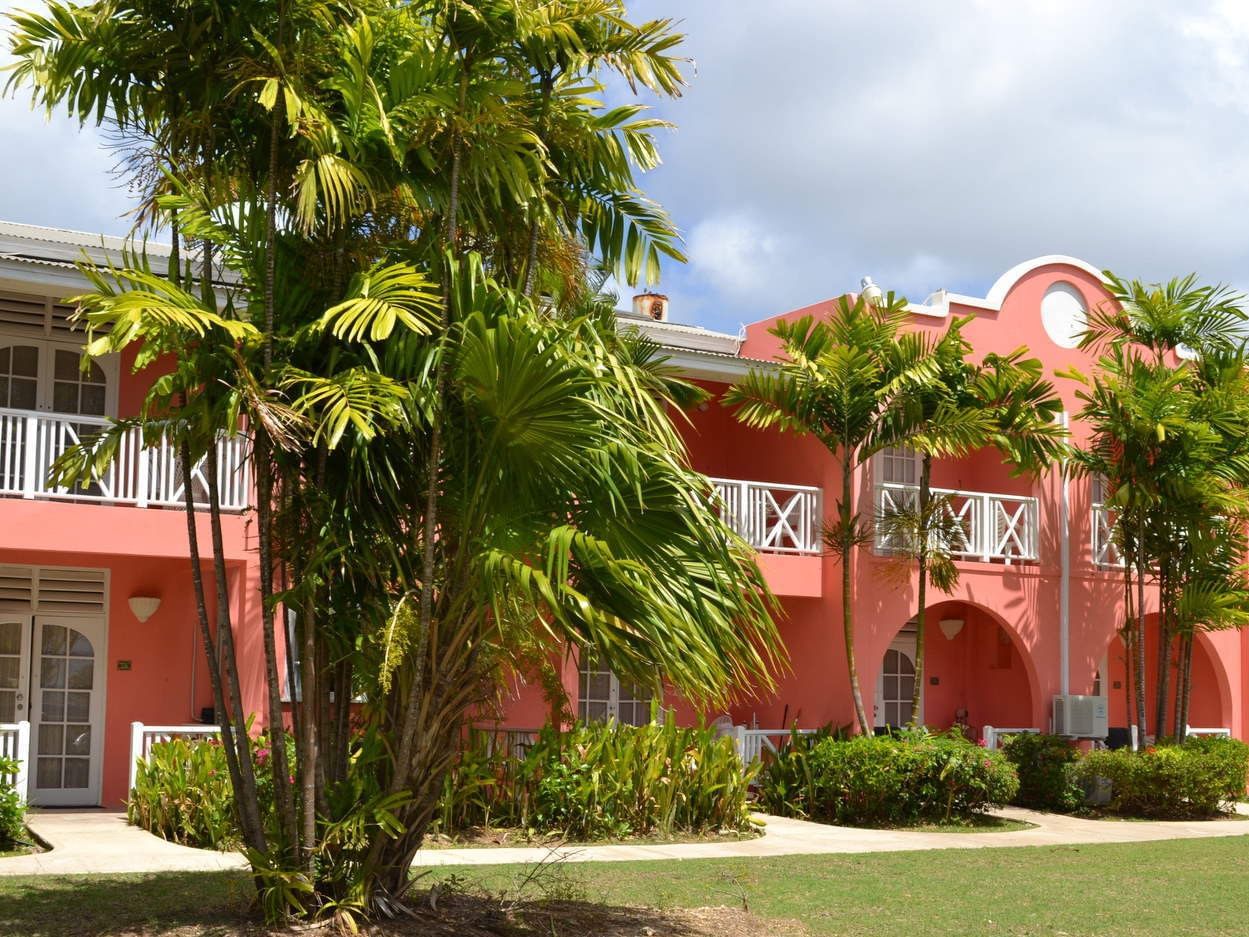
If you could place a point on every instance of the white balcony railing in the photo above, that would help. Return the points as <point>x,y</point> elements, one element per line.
<point>1105,551</point>
<point>772,518</point>
<point>31,442</point>
<point>995,526</point>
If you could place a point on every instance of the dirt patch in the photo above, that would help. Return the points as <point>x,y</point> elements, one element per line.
<point>463,916</point>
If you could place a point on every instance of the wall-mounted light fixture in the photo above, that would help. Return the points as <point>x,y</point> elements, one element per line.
<point>950,627</point>
<point>144,606</point>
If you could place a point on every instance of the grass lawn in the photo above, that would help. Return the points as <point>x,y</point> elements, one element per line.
<point>1194,887</point>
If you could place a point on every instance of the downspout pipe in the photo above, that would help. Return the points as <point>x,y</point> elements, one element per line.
<point>1064,582</point>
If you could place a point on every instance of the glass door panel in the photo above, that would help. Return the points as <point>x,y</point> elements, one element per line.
<point>14,667</point>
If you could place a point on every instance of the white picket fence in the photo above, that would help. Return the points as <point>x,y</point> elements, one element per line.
<point>752,743</point>
<point>15,744</point>
<point>143,737</point>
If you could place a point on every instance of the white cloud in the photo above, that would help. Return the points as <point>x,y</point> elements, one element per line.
<point>936,145</point>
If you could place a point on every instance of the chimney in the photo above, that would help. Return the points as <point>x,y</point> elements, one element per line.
<point>651,305</point>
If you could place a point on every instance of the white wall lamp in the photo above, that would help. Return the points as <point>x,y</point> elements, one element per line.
<point>144,606</point>
<point>950,627</point>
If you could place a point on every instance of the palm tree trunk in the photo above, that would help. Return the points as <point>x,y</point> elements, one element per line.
<point>222,712</point>
<point>1142,720</point>
<point>925,497</point>
<point>408,726</point>
<point>1163,673</point>
<point>245,794</point>
<point>847,582</point>
<point>531,258</point>
<point>1184,699</point>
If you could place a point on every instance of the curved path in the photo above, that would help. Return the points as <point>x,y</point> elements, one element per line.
<point>100,842</point>
<point>798,837</point>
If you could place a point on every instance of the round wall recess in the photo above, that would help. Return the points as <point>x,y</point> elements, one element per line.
<point>1063,315</point>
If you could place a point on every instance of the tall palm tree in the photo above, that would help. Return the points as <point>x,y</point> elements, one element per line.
<point>475,468</point>
<point>960,406</point>
<point>1167,407</point>
<point>837,379</point>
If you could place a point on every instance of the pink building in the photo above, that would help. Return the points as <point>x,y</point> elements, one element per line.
<point>1035,611</point>
<point>97,619</point>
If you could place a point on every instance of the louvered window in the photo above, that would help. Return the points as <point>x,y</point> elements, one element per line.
<point>47,589</point>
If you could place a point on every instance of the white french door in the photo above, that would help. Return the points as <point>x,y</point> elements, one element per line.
<point>48,376</point>
<point>66,710</point>
<point>895,684</point>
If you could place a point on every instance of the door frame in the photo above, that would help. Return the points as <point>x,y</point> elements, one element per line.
<point>96,717</point>
<point>905,642</point>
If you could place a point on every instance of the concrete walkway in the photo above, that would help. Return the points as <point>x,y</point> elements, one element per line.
<point>797,837</point>
<point>101,842</point>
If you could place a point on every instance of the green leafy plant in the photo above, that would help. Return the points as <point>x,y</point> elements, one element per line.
<point>1197,779</point>
<point>900,780</point>
<point>1046,765</point>
<point>600,781</point>
<point>12,808</point>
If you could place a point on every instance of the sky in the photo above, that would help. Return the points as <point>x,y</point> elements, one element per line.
<point>928,145</point>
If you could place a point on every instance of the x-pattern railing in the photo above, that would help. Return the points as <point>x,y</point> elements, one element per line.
<point>772,518</point>
<point>994,526</point>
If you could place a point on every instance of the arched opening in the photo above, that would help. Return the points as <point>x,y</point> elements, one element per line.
<point>977,672</point>
<point>1210,705</point>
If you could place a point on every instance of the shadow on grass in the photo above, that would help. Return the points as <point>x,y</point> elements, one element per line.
<point>218,904</point>
<point>207,903</point>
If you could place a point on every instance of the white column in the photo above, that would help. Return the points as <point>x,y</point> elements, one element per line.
<point>30,457</point>
<point>136,752</point>
<point>1064,583</point>
<point>23,759</point>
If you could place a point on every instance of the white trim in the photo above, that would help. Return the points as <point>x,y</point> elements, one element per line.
<point>938,304</point>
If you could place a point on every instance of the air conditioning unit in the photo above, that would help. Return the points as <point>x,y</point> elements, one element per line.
<point>1081,717</point>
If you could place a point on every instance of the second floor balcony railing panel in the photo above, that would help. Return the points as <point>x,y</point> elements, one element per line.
<point>772,518</point>
<point>994,526</point>
<point>1105,550</point>
<point>31,442</point>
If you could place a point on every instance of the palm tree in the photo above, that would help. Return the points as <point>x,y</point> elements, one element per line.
<point>838,379</point>
<point>958,407</point>
<point>1167,408</point>
<point>478,470</point>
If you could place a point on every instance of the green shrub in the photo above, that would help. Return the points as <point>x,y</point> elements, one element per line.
<point>1046,768</point>
<point>1197,779</point>
<point>594,782</point>
<point>12,809</point>
<point>600,781</point>
<point>182,793</point>
<point>910,778</point>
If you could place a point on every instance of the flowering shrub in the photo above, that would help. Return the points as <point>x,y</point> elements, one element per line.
<point>1197,779</point>
<point>914,777</point>
<point>1046,765</point>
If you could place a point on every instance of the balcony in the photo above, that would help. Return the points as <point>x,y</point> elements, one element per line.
<point>1105,550</point>
<point>995,527</point>
<point>30,442</point>
<point>772,518</point>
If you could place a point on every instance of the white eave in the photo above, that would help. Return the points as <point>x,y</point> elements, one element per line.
<point>684,337</point>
